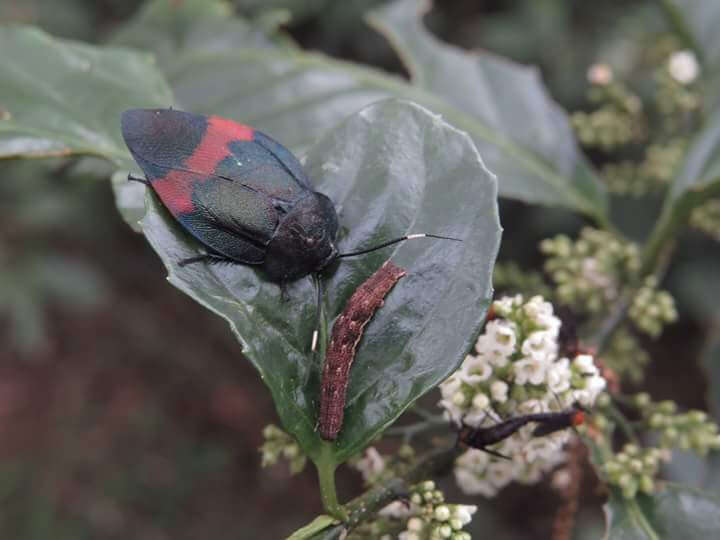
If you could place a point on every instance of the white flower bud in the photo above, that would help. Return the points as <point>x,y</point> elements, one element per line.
<point>498,391</point>
<point>459,398</point>
<point>600,74</point>
<point>585,364</point>
<point>415,524</point>
<point>683,66</point>
<point>464,513</point>
<point>481,401</point>
<point>442,512</point>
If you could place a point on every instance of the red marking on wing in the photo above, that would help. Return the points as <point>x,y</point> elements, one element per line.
<point>176,188</point>
<point>578,418</point>
<point>213,147</point>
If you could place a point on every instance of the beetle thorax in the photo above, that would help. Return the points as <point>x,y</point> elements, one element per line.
<point>304,241</point>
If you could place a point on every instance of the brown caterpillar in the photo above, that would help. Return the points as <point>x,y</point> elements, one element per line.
<point>346,334</point>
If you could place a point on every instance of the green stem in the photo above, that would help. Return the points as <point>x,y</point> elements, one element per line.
<point>369,503</point>
<point>625,426</point>
<point>675,215</point>
<point>326,466</point>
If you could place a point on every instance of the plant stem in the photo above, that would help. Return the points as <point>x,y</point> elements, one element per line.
<point>625,426</point>
<point>369,503</point>
<point>326,466</point>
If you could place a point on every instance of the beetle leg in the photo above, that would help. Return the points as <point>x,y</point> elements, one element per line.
<point>494,453</point>
<point>210,259</point>
<point>140,179</point>
<point>284,296</point>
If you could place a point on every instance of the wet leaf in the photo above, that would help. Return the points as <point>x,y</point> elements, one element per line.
<point>391,169</point>
<point>60,97</point>
<point>674,512</point>
<point>523,135</point>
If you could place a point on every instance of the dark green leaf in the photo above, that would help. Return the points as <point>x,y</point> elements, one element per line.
<point>697,181</point>
<point>524,135</point>
<point>173,29</point>
<point>58,97</point>
<point>698,21</point>
<point>63,18</point>
<point>700,173</point>
<point>296,97</point>
<point>674,512</point>
<point>391,169</point>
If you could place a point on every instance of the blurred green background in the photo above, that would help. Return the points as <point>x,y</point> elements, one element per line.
<point>127,411</point>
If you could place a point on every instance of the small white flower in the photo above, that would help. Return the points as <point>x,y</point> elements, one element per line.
<point>396,509</point>
<point>597,277</point>
<point>442,512</point>
<point>561,479</point>
<point>479,410</point>
<point>558,376</point>
<point>471,484</point>
<point>474,417</point>
<point>537,307</point>
<point>451,413</point>
<point>464,513</point>
<point>497,358</point>
<point>473,459</point>
<point>408,535</point>
<point>585,364</point>
<point>500,473</point>
<point>533,473</point>
<point>499,391</point>
<point>450,385</point>
<point>475,369</point>
<point>530,370</point>
<point>532,406</point>
<point>683,66</point>
<point>594,386</point>
<point>415,524</point>
<point>541,345</point>
<point>583,397</point>
<point>487,348</point>
<point>481,401</point>
<point>371,465</point>
<point>502,336</point>
<point>458,398</point>
<point>600,74</point>
<point>538,448</point>
<point>504,306</point>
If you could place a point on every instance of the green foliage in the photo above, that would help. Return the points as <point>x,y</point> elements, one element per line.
<point>301,95</point>
<point>61,98</point>
<point>382,192</point>
<point>674,512</point>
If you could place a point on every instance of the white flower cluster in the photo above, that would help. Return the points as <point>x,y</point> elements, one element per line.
<point>516,370</point>
<point>433,519</point>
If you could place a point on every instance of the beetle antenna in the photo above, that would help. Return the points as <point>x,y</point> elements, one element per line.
<point>396,241</point>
